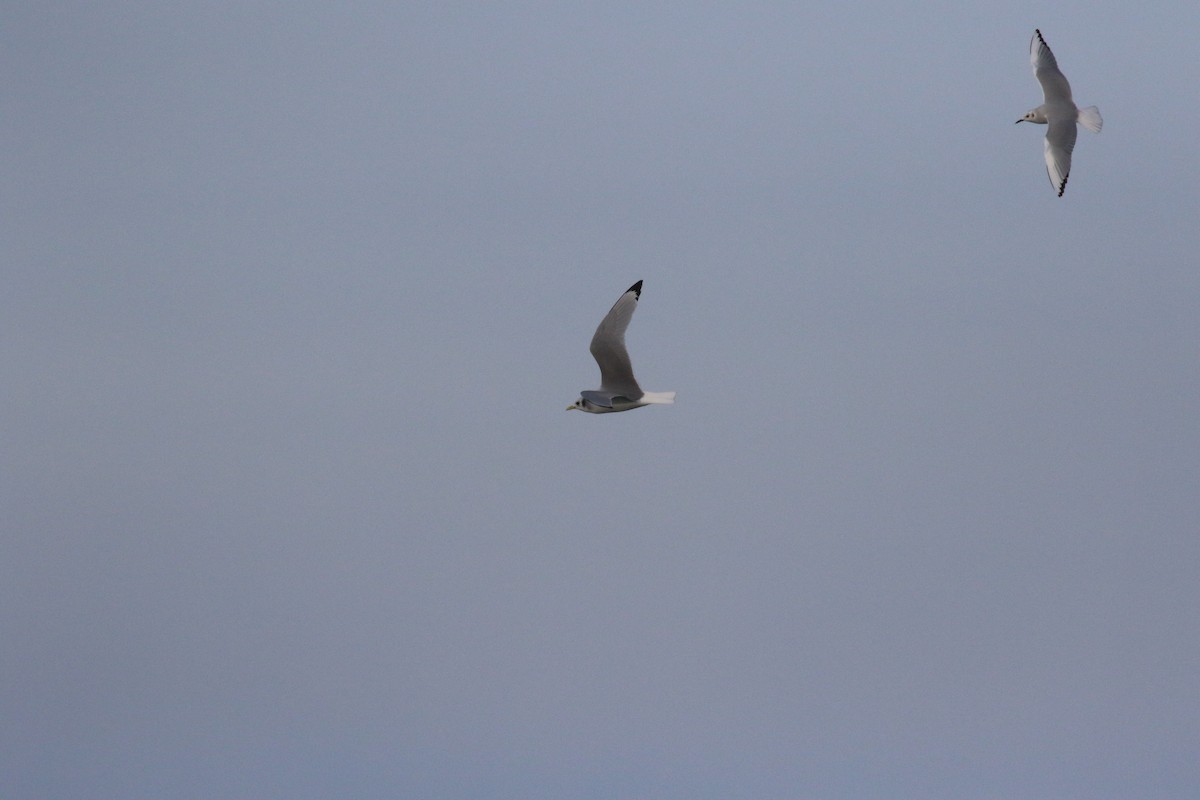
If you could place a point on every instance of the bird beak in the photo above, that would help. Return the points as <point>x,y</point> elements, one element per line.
<point>1020,121</point>
<point>570,407</point>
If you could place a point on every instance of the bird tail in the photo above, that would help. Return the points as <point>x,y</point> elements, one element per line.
<point>658,398</point>
<point>1090,118</point>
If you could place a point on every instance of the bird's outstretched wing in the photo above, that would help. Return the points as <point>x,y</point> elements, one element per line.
<point>1055,88</point>
<point>608,347</point>
<point>1060,141</point>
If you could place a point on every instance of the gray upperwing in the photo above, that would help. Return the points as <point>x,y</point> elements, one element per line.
<point>1055,88</point>
<point>608,347</point>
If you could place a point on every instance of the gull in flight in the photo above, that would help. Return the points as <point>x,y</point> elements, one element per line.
<point>1059,112</point>
<point>619,390</point>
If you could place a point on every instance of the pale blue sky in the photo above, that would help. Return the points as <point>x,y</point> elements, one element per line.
<point>295,296</point>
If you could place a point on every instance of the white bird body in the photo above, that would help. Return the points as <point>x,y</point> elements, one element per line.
<point>1058,111</point>
<point>619,390</point>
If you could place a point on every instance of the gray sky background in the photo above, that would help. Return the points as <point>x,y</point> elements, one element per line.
<point>295,295</point>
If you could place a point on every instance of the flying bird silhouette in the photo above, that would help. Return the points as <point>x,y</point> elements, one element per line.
<point>1058,111</point>
<point>619,390</point>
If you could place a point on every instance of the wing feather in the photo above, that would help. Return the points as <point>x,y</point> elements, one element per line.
<point>1060,141</point>
<point>608,346</point>
<point>1055,89</point>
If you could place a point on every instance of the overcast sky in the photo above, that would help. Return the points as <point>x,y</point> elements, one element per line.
<point>294,298</point>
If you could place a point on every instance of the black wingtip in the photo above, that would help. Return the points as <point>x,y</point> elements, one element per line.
<point>636,289</point>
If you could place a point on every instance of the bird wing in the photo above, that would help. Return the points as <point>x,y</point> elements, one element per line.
<point>1055,88</point>
<point>1060,141</point>
<point>608,347</point>
<point>604,399</point>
